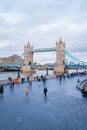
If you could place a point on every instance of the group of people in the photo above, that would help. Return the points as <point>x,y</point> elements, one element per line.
<point>12,82</point>
<point>44,90</point>
<point>68,75</point>
<point>43,78</point>
<point>11,85</point>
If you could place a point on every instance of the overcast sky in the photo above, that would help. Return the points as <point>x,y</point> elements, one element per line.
<point>42,23</point>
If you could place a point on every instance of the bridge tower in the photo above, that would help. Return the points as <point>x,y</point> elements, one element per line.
<point>28,58</point>
<point>60,57</point>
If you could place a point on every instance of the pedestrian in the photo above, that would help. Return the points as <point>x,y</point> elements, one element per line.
<point>30,83</point>
<point>45,91</point>
<point>12,84</point>
<point>78,80</point>
<point>26,90</point>
<point>60,79</point>
<point>1,89</point>
<point>28,79</point>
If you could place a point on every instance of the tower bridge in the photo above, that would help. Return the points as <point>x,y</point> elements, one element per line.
<point>61,54</point>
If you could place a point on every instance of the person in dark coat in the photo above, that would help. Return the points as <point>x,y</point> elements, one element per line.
<point>45,91</point>
<point>1,89</point>
<point>28,79</point>
<point>12,84</point>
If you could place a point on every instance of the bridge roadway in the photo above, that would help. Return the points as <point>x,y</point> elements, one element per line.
<point>66,66</point>
<point>76,66</point>
<point>10,68</point>
<point>16,67</point>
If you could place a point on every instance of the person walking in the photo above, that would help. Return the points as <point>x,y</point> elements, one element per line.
<point>12,84</point>
<point>30,83</point>
<point>45,91</point>
<point>26,90</point>
<point>1,89</point>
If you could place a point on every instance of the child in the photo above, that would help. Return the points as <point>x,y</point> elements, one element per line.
<point>26,90</point>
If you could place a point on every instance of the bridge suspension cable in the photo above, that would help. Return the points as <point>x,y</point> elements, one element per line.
<point>74,58</point>
<point>15,62</point>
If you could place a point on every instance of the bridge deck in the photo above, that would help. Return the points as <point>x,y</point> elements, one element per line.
<point>43,50</point>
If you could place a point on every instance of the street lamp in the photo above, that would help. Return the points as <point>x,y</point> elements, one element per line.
<point>18,71</point>
<point>47,70</point>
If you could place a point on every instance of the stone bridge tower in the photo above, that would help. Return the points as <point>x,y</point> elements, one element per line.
<point>28,56</point>
<point>60,57</point>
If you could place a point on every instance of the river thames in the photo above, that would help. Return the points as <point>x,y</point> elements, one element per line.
<point>64,108</point>
<point>14,74</point>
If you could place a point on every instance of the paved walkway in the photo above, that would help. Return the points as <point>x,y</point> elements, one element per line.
<point>64,108</point>
<point>25,79</point>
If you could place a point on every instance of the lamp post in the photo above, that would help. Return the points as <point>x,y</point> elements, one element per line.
<point>47,70</point>
<point>18,71</point>
<point>85,71</point>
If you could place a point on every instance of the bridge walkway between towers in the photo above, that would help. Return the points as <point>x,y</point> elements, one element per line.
<point>43,50</point>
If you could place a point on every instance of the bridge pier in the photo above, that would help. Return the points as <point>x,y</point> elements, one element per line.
<point>27,68</point>
<point>2,69</point>
<point>60,57</point>
<point>59,70</point>
<point>65,70</point>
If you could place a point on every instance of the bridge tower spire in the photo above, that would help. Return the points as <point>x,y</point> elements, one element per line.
<point>60,57</point>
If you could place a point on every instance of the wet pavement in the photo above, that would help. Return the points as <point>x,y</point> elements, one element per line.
<point>64,108</point>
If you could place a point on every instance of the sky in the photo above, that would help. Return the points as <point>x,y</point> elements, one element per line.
<point>42,23</point>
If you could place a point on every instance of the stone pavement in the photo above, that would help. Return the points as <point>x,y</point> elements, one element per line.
<point>64,108</point>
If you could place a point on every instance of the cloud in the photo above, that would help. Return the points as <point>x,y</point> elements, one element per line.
<point>4,44</point>
<point>10,18</point>
<point>43,23</point>
<point>45,57</point>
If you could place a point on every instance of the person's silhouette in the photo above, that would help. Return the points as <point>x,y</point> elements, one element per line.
<point>45,91</point>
